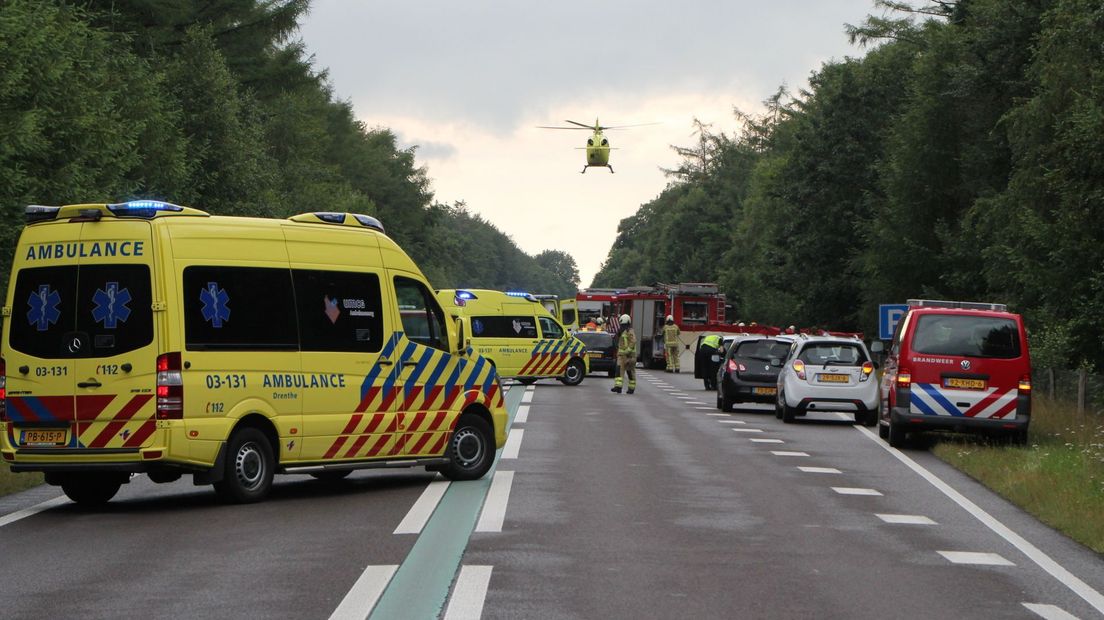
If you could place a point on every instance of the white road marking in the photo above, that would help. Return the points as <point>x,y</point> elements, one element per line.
<point>756,440</point>
<point>731,422</point>
<point>974,557</point>
<point>747,430</point>
<point>513,443</point>
<point>1056,570</point>
<point>723,415</point>
<point>422,509</point>
<point>527,397</point>
<point>820,470</point>
<point>33,510</point>
<point>469,593</point>
<point>788,453</point>
<point>905,519</point>
<point>494,506</point>
<point>1050,612</point>
<point>530,388</point>
<point>685,397</point>
<point>360,600</point>
<point>855,491</point>
<point>522,415</point>
<point>704,408</point>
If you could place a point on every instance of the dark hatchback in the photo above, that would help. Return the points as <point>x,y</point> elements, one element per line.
<point>601,350</point>
<point>749,373</point>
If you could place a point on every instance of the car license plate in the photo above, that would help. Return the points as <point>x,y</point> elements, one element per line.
<point>594,354</point>
<point>43,437</point>
<point>764,391</point>
<point>968,384</point>
<point>833,378</point>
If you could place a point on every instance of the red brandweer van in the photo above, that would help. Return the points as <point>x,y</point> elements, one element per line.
<point>957,366</point>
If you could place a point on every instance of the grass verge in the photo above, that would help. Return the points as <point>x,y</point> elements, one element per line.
<point>11,482</point>
<point>1058,476</point>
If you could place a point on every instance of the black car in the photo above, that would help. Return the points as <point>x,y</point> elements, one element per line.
<point>749,372</point>
<point>601,350</point>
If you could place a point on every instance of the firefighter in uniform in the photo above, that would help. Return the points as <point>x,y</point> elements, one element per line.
<point>626,355</point>
<point>671,343</point>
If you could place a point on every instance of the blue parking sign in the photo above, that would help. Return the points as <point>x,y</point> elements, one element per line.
<point>888,317</point>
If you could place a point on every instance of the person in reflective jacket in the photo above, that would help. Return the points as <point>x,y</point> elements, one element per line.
<point>626,356</point>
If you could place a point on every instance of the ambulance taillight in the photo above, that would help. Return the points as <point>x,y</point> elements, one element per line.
<point>170,387</point>
<point>3,390</point>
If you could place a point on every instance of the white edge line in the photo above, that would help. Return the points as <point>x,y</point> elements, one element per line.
<point>33,510</point>
<point>469,593</point>
<point>494,505</point>
<point>1050,612</point>
<point>522,415</point>
<point>513,443</point>
<point>422,510</point>
<point>365,593</point>
<point>1056,570</point>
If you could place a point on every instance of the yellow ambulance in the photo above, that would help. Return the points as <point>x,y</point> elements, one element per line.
<point>518,335</point>
<point>150,337</point>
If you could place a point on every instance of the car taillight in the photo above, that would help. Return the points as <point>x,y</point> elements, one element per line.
<point>3,390</point>
<point>734,367</point>
<point>867,370</point>
<point>170,387</point>
<point>904,378</point>
<point>799,368</point>
<point>1025,384</point>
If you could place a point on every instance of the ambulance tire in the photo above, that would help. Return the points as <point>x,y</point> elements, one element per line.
<point>91,490</point>
<point>471,449</point>
<point>332,476</point>
<point>249,468</point>
<point>574,373</point>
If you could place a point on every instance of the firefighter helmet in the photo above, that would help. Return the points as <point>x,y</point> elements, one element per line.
<point>625,319</point>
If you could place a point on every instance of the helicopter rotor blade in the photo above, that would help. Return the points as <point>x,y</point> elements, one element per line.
<point>571,128</point>
<point>583,125</point>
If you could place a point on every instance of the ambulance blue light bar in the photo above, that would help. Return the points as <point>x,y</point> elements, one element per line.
<point>465,295</point>
<point>521,294</point>
<point>143,208</point>
<point>344,219</point>
<point>39,213</point>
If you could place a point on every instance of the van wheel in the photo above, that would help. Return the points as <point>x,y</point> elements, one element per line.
<point>896,435</point>
<point>867,417</point>
<point>470,450</point>
<point>1018,438</point>
<point>332,476</point>
<point>91,490</point>
<point>573,375</point>
<point>249,468</point>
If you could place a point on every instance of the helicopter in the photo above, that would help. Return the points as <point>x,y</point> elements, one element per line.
<point>598,147</point>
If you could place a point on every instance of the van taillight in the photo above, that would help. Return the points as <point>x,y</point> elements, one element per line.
<point>3,390</point>
<point>904,378</point>
<point>170,387</point>
<point>1025,384</point>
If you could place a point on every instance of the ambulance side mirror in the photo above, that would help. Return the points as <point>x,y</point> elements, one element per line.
<point>461,336</point>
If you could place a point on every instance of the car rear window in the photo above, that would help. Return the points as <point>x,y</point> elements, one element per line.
<point>76,311</point>
<point>762,349</point>
<point>836,353</point>
<point>595,340</point>
<point>967,336</point>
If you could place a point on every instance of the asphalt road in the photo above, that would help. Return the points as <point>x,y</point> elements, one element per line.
<point>653,505</point>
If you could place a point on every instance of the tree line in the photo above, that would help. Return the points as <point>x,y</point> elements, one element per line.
<point>962,157</point>
<point>215,105</point>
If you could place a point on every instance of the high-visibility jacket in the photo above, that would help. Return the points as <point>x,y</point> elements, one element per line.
<point>671,335</point>
<point>711,341</point>
<point>626,342</point>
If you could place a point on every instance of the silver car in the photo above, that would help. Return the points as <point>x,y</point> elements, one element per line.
<point>824,373</point>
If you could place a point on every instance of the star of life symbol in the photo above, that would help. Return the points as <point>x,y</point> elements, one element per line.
<point>215,300</point>
<point>43,310</point>
<point>111,305</point>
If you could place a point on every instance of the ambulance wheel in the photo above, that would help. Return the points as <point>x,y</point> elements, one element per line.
<point>896,435</point>
<point>332,476</point>
<point>526,380</point>
<point>573,375</point>
<point>471,450</point>
<point>91,490</point>
<point>249,468</point>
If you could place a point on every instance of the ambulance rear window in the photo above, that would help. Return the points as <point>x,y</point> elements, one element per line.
<point>966,336</point>
<point>82,311</point>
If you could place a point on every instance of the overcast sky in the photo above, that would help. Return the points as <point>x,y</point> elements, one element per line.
<point>468,81</point>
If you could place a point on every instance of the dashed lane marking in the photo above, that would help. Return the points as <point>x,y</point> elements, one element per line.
<point>758,440</point>
<point>788,453</point>
<point>747,430</point>
<point>855,491</point>
<point>1050,612</point>
<point>704,408</point>
<point>513,443</point>
<point>33,510</point>
<point>469,593</point>
<point>820,470</point>
<point>522,415</point>
<point>721,415</point>
<point>494,507</point>
<point>360,600</point>
<point>1056,570</point>
<point>905,519</point>
<point>731,422</point>
<point>530,388</point>
<point>527,397</point>
<point>974,557</point>
<point>423,509</point>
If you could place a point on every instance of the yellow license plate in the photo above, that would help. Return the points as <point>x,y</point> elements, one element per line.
<point>764,391</point>
<point>969,384</point>
<point>594,354</point>
<point>44,437</point>
<point>832,378</point>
